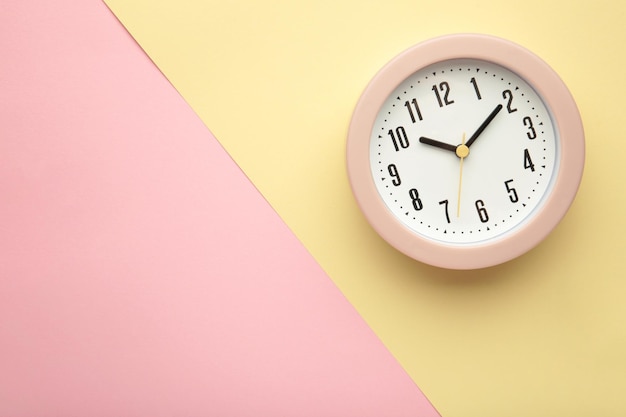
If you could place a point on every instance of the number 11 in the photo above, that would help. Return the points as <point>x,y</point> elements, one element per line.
<point>417,110</point>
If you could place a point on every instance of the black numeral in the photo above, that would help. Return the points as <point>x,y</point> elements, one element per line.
<point>445,89</point>
<point>476,90</point>
<point>528,163</point>
<point>445,205</point>
<point>393,171</point>
<point>400,139</point>
<point>412,114</point>
<point>415,198</point>
<point>512,193</point>
<point>528,122</point>
<point>506,94</point>
<point>482,211</point>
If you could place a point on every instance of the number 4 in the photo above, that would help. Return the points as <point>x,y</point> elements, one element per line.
<point>528,163</point>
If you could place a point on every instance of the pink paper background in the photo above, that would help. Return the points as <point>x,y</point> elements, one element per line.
<point>141,274</point>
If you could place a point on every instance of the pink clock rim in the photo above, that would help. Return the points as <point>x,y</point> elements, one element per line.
<point>537,73</point>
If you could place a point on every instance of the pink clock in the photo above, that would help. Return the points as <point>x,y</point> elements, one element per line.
<point>465,151</point>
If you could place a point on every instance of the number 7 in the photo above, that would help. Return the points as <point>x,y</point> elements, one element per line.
<point>445,203</point>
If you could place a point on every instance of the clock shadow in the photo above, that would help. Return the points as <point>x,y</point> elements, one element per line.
<point>468,277</point>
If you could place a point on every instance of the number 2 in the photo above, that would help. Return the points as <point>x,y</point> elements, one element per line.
<point>509,104</point>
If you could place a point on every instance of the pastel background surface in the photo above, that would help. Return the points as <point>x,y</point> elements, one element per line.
<point>141,273</point>
<point>276,81</point>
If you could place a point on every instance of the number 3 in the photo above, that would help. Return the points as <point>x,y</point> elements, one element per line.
<point>528,122</point>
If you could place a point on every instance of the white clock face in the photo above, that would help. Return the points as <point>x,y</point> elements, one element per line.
<point>463,151</point>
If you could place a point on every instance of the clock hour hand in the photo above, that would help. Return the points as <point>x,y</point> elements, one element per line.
<point>484,125</point>
<point>438,144</point>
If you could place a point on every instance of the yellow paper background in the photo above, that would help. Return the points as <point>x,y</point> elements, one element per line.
<point>276,82</point>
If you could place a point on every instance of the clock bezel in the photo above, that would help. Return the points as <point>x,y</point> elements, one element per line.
<point>556,96</point>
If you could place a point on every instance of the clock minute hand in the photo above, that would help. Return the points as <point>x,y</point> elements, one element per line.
<point>438,144</point>
<point>484,125</point>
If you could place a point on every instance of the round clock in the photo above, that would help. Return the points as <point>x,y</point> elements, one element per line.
<point>465,151</point>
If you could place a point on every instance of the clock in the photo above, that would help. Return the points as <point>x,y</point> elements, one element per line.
<point>465,151</point>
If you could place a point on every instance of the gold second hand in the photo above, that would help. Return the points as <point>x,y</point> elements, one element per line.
<point>461,151</point>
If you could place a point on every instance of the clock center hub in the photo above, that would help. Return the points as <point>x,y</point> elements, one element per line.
<point>462,151</point>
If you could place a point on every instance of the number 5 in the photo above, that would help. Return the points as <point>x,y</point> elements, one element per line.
<point>512,193</point>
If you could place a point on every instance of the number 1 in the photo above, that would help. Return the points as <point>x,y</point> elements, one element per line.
<point>473,81</point>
